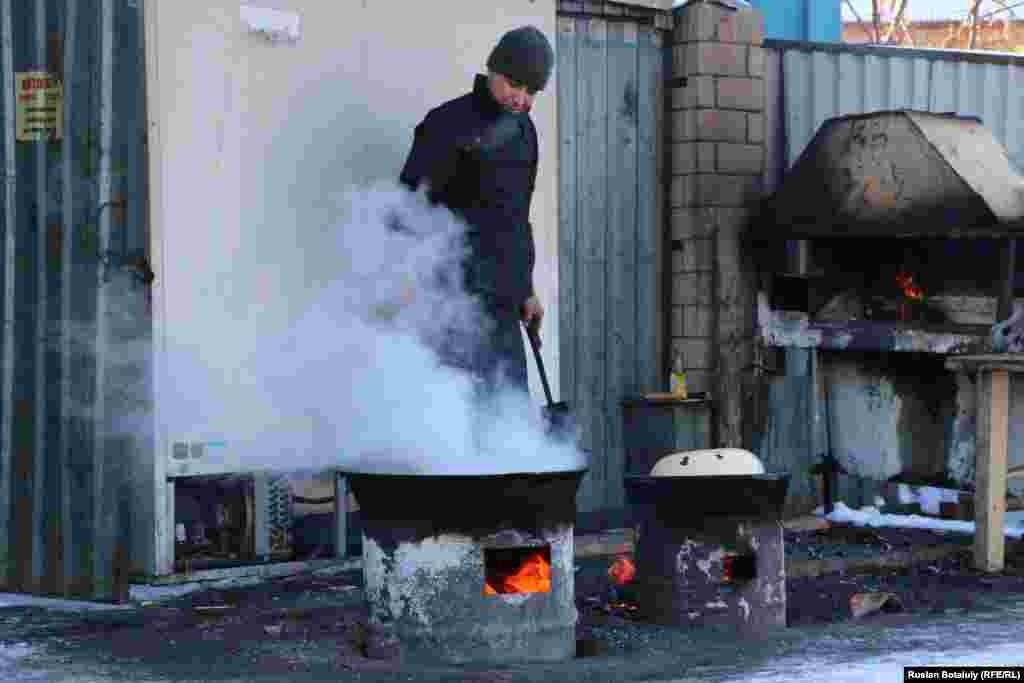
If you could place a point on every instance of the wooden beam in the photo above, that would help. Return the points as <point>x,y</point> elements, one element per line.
<point>1010,362</point>
<point>990,502</point>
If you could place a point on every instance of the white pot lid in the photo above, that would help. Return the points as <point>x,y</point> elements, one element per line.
<point>709,462</point>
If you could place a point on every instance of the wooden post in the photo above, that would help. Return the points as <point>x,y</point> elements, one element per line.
<point>993,435</point>
<point>340,516</point>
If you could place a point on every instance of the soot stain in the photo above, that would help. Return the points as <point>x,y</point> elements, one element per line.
<point>629,102</point>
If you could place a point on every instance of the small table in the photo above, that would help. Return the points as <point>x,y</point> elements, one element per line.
<point>993,372</point>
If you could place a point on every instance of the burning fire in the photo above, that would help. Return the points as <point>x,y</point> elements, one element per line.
<point>622,570</point>
<point>533,576</point>
<point>910,290</point>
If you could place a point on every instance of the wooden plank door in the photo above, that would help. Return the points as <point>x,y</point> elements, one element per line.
<point>611,230</point>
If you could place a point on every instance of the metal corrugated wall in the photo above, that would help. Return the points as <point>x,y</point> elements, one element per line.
<point>611,101</point>
<point>75,342</point>
<point>808,83</point>
<point>820,81</point>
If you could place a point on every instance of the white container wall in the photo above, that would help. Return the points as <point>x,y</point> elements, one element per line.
<point>261,118</point>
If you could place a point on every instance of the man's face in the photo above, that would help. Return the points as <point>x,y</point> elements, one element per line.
<point>513,96</point>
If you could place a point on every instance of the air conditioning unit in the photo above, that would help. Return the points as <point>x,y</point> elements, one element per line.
<point>271,511</point>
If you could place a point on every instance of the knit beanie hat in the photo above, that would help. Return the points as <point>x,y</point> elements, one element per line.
<point>523,55</point>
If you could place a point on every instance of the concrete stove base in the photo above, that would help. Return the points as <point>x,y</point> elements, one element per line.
<point>426,601</point>
<point>426,574</point>
<point>680,571</point>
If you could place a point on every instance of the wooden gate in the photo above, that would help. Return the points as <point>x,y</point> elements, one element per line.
<point>611,102</point>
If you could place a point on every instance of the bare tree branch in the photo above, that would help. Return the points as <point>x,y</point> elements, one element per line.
<point>906,32</point>
<point>1005,20</point>
<point>1004,8</point>
<point>974,23</point>
<point>982,26</point>
<point>860,21</point>
<point>896,22</point>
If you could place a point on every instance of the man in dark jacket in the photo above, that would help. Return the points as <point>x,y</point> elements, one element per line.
<point>478,155</point>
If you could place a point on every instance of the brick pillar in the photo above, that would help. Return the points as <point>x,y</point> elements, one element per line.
<point>717,140</point>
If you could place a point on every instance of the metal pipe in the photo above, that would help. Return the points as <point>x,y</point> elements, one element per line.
<point>106,103</point>
<point>798,257</point>
<point>39,409</point>
<point>9,251</point>
<point>1007,279</point>
<point>66,276</point>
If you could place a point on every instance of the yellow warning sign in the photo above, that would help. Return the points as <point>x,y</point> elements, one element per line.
<point>39,106</point>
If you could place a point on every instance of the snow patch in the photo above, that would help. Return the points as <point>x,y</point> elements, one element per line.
<point>158,593</point>
<point>15,651</point>
<point>23,600</point>
<point>882,669</point>
<point>872,517</point>
<point>928,497</point>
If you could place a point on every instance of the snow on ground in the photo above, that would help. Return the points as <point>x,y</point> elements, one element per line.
<point>929,498</point>
<point>873,517</point>
<point>888,668</point>
<point>141,593</point>
<point>14,651</point>
<point>20,600</point>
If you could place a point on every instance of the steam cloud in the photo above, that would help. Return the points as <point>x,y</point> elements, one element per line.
<point>351,380</point>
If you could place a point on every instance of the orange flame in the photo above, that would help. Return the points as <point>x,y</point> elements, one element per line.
<point>910,290</point>
<point>622,570</point>
<point>533,576</point>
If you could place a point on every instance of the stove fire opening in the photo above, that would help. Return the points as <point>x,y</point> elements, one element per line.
<point>738,568</point>
<point>622,571</point>
<point>517,570</point>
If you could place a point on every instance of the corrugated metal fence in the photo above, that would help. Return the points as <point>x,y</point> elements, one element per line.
<point>611,76</point>
<point>73,392</point>
<point>817,81</point>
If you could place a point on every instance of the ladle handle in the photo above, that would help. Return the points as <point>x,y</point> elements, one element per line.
<point>531,335</point>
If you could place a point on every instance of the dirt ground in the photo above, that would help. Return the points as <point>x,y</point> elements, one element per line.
<point>949,584</point>
<point>314,622</point>
<point>946,584</point>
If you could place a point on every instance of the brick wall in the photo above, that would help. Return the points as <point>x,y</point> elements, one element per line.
<point>717,157</point>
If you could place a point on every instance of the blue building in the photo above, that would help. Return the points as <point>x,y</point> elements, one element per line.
<point>814,20</point>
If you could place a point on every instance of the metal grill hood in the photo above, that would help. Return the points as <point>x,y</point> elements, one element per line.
<point>900,174</point>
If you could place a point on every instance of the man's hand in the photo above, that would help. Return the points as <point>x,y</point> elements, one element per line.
<point>387,311</point>
<point>532,313</point>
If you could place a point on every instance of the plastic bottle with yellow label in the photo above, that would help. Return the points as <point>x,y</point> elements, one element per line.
<point>677,380</point>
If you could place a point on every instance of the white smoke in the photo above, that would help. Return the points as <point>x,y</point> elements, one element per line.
<point>352,381</point>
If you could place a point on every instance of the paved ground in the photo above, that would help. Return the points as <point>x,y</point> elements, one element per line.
<point>306,628</point>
